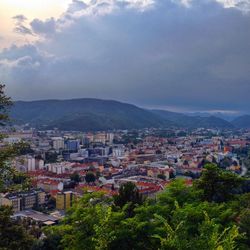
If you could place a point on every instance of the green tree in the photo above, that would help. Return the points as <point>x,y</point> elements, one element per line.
<point>209,236</point>
<point>128,198</point>
<point>212,237</point>
<point>103,233</point>
<point>75,177</point>
<point>90,177</point>
<point>51,202</point>
<point>26,149</point>
<point>12,233</point>
<point>51,157</point>
<point>171,175</point>
<point>79,230</point>
<point>128,192</point>
<point>9,178</point>
<point>162,176</point>
<point>216,184</point>
<point>5,104</point>
<point>172,240</point>
<point>50,242</point>
<point>178,191</point>
<point>245,226</point>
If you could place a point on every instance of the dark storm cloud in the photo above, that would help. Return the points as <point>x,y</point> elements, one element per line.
<point>195,57</point>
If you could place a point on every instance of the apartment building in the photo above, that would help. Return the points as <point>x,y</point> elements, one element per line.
<point>64,200</point>
<point>23,200</point>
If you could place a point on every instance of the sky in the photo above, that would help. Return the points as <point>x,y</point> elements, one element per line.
<point>181,55</point>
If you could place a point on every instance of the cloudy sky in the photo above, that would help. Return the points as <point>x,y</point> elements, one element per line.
<point>186,55</point>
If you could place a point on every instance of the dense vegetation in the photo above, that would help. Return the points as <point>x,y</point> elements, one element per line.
<point>10,179</point>
<point>193,121</point>
<point>84,114</point>
<point>94,114</point>
<point>13,234</point>
<point>212,214</point>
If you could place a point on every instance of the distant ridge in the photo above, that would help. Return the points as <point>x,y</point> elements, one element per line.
<point>242,121</point>
<point>88,114</point>
<point>84,114</point>
<point>183,120</point>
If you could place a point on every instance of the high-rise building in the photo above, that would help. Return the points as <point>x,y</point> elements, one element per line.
<point>39,164</point>
<point>31,164</point>
<point>118,151</point>
<point>72,145</point>
<point>110,138</point>
<point>58,143</point>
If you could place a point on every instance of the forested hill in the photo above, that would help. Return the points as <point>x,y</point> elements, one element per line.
<point>85,114</point>
<point>242,121</point>
<point>96,114</point>
<point>186,121</point>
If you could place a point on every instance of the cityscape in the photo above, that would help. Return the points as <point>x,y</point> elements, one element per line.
<point>63,166</point>
<point>124,125</point>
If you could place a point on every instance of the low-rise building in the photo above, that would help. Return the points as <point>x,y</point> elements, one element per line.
<point>23,200</point>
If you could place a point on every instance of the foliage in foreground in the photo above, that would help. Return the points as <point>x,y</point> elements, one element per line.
<point>16,235</point>
<point>180,218</point>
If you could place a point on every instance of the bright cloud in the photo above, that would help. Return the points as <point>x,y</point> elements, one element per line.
<point>243,5</point>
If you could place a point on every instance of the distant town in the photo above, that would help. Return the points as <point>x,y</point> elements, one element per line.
<point>64,165</point>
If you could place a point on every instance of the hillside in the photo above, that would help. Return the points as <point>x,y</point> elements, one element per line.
<point>95,114</point>
<point>193,121</point>
<point>242,121</point>
<point>84,114</point>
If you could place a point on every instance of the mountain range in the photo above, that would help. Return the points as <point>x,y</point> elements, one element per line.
<point>88,114</point>
<point>242,121</point>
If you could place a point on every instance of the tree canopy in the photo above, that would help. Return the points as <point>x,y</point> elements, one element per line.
<point>13,234</point>
<point>90,177</point>
<point>180,218</point>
